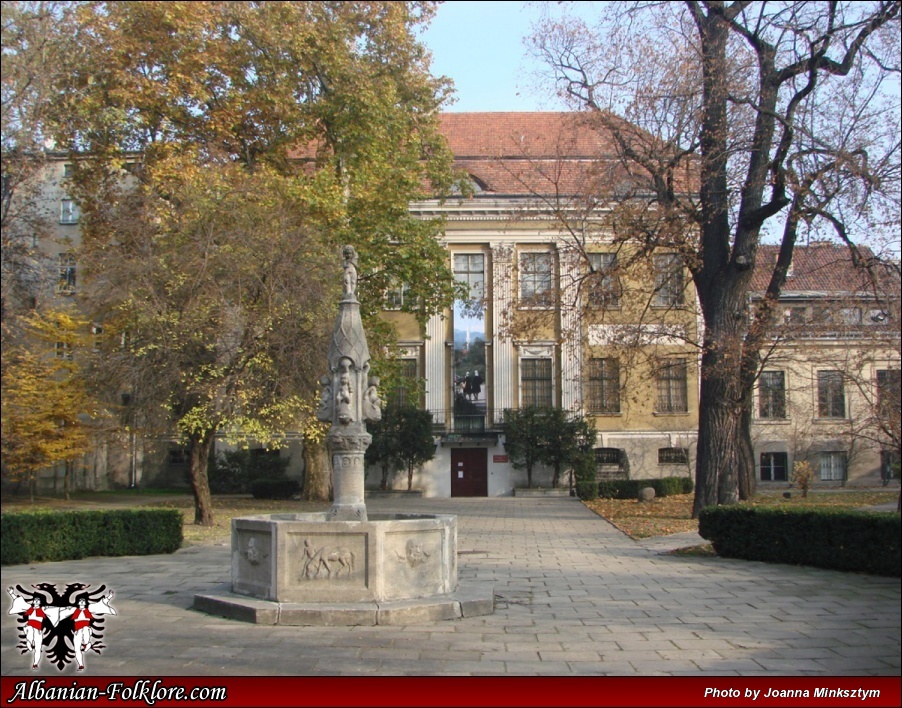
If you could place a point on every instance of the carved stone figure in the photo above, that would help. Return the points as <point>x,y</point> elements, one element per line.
<point>350,274</point>
<point>372,406</point>
<point>345,389</point>
<point>253,554</point>
<point>326,561</point>
<point>324,412</point>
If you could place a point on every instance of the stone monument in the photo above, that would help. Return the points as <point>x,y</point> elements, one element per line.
<point>345,567</point>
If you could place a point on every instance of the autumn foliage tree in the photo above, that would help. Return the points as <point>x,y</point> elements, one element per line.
<point>731,121</point>
<point>229,150</point>
<point>48,414</point>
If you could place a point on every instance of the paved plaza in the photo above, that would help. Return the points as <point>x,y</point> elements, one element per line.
<point>574,596</point>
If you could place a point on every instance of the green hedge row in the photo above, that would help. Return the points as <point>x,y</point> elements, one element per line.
<point>275,488</point>
<point>69,535</point>
<point>866,542</point>
<point>629,488</point>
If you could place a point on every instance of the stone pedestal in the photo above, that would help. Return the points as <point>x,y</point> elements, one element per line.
<point>348,466</point>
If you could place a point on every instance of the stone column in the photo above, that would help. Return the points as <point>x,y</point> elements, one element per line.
<point>349,398</point>
<point>502,345</point>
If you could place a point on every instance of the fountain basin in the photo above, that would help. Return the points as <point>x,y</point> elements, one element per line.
<point>304,569</point>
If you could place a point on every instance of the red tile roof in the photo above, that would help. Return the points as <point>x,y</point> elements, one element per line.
<point>539,153</point>
<point>820,266</point>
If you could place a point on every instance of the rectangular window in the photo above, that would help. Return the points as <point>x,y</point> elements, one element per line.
<point>669,284</point>
<point>608,455</point>
<point>772,394</point>
<point>469,268</point>
<point>97,333</point>
<point>773,466</point>
<point>889,393</point>
<point>536,279</point>
<point>795,316</point>
<point>69,213</point>
<point>63,350</point>
<point>405,392</point>
<point>178,456</point>
<point>536,383</point>
<point>397,295</point>
<point>66,283</point>
<point>604,385</point>
<point>833,465</point>
<point>889,464</point>
<point>831,395</point>
<point>673,456</point>
<point>605,283</point>
<point>672,388</point>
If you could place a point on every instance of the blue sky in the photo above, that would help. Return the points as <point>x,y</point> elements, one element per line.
<point>480,46</point>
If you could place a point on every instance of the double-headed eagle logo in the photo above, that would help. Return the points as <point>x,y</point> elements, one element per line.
<point>63,625</point>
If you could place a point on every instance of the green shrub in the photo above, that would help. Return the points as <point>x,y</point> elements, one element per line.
<point>584,468</point>
<point>27,537</point>
<point>275,488</point>
<point>838,539</point>
<point>234,472</point>
<point>629,488</point>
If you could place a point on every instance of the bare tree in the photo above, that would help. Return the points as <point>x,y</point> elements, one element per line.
<point>732,121</point>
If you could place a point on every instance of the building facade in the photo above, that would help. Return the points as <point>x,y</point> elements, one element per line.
<point>563,312</point>
<point>554,318</point>
<point>828,390</point>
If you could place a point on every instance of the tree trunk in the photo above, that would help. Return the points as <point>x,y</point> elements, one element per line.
<point>748,482</point>
<point>383,485</point>
<point>67,475</point>
<point>317,472</point>
<point>720,449</point>
<point>199,447</point>
<point>410,478</point>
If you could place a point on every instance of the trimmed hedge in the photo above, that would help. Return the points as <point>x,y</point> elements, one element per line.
<point>629,488</point>
<point>275,488</point>
<point>587,491</point>
<point>69,535</point>
<point>866,542</point>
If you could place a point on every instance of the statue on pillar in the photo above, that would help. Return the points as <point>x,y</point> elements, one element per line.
<point>349,397</point>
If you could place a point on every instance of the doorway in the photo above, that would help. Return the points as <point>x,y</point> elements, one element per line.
<point>469,472</point>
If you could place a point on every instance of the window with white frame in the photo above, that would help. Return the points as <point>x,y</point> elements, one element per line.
<point>833,465</point>
<point>405,392</point>
<point>831,395</point>
<point>605,285</point>
<point>669,281</point>
<point>772,394</point>
<point>536,382</point>
<point>66,282</point>
<point>604,385</point>
<point>672,387</point>
<point>397,295</point>
<point>69,213</point>
<point>536,279</point>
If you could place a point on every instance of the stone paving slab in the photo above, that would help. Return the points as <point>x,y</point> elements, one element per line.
<point>574,596</point>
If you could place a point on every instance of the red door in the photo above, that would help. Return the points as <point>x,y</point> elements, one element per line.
<point>469,472</point>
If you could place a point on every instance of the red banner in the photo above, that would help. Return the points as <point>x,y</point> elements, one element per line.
<point>276,692</point>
